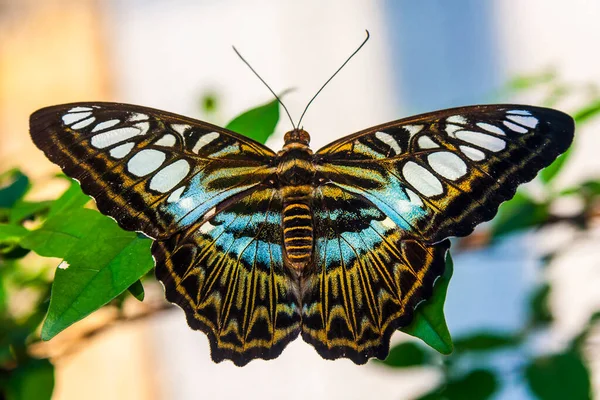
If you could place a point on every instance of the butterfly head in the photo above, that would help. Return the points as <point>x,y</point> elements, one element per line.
<point>297,136</point>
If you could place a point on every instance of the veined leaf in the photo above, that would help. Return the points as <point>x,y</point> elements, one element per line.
<point>100,262</point>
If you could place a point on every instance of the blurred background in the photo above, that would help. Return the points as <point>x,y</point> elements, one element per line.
<point>520,301</point>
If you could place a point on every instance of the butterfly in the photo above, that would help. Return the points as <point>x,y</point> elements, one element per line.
<point>339,246</point>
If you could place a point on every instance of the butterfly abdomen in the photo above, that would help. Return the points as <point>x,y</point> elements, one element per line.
<point>296,172</point>
<point>297,225</point>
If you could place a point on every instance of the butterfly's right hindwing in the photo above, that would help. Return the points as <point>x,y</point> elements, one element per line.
<point>152,171</point>
<point>227,273</point>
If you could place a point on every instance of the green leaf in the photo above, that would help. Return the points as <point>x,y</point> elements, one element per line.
<point>484,341</point>
<point>526,82</point>
<point>540,313</point>
<point>558,377</point>
<point>258,123</point>
<point>13,186</point>
<point>550,172</point>
<point>517,214</point>
<point>137,290</point>
<point>406,354</point>
<point>429,323</point>
<point>587,189</point>
<point>477,385</point>
<point>25,209</point>
<point>209,102</point>
<point>12,234</point>
<point>586,113</point>
<point>101,262</point>
<point>3,304</point>
<point>60,233</point>
<point>72,198</point>
<point>33,380</point>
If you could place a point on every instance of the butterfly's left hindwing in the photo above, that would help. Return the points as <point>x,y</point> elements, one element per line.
<point>152,171</point>
<point>439,174</point>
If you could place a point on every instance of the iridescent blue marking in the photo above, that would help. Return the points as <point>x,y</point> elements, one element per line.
<point>393,202</point>
<point>196,201</point>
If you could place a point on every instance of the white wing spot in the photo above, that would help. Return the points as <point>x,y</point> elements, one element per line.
<point>146,161</point>
<point>456,119</point>
<point>206,228</point>
<point>143,127</point>
<point>447,164</point>
<point>491,143</point>
<point>84,123</point>
<point>105,125</point>
<point>421,179</point>
<point>473,154</point>
<point>389,140</point>
<point>527,121</point>
<point>204,140</point>
<point>491,128</point>
<point>413,129</point>
<point>71,118</point>
<point>519,112</point>
<point>138,117</point>
<point>186,203</point>
<point>170,176</point>
<point>210,213</point>
<point>176,195</point>
<point>63,265</point>
<point>109,138</point>
<point>414,198</point>
<point>122,150</point>
<point>425,142</point>
<point>451,129</point>
<point>515,127</point>
<point>167,140</point>
<point>180,128</point>
<point>388,223</point>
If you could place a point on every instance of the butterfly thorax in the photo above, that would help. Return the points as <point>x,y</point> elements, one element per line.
<point>296,173</point>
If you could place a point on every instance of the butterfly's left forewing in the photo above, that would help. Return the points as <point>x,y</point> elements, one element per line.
<point>439,174</point>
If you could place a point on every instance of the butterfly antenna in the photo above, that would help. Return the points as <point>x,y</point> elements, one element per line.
<point>334,74</point>
<point>268,87</point>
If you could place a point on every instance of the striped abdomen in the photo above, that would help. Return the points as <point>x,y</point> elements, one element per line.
<point>297,225</point>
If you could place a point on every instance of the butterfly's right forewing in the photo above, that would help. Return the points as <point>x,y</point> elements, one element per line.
<point>150,170</point>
